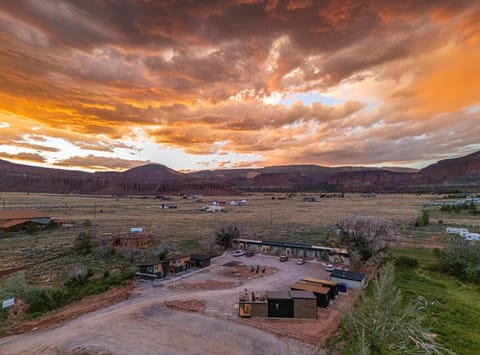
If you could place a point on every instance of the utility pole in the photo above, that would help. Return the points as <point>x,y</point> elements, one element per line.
<point>271,217</point>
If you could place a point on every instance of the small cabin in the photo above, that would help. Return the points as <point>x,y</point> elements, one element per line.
<point>332,285</point>
<point>304,304</point>
<point>280,304</point>
<point>178,264</point>
<point>320,292</point>
<point>155,270</point>
<point>349,278</point>
<point>199,260</point>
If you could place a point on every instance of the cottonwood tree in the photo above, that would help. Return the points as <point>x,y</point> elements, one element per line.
<point>365,235</point>
<point>83,243</point>
<point>382,323</point>
<point>225,236</point>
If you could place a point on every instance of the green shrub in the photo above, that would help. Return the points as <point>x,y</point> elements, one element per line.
<point>461,259</point>
<point>423,220</point>
<point>406,262</point>
<point>83,243</point>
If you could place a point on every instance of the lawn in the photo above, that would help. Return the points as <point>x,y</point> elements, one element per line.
<point>452,306</point>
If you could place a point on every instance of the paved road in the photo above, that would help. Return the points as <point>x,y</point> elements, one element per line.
<point>142,325</point>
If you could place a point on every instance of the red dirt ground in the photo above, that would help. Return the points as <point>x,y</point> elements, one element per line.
<point>86,305</point>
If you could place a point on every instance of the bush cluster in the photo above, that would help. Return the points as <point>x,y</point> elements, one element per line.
<point>461,259</point>
<point>42,300</point>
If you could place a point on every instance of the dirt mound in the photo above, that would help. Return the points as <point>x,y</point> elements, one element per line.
<point>203,285</point>
<point>187,305</point>
<point>87,350</point>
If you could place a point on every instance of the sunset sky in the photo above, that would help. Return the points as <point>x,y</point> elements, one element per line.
<point>102,85</point>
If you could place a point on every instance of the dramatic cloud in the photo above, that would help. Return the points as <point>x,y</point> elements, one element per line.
<point>238,83</point>
<point>93,162</point>
<point>28,157</point>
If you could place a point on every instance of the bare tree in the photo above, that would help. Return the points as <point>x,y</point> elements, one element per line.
<point>368,227</point>
<point>225,236</point>
<point>365,236</point>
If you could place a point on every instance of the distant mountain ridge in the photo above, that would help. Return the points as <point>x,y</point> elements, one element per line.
<point>155,179</point>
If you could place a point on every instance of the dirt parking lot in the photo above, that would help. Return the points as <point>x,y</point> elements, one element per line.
<point>144,325</point>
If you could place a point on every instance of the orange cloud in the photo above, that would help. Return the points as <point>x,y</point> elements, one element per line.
<point>92,162</point>
<point>451,83</point>
<point>30,157</point>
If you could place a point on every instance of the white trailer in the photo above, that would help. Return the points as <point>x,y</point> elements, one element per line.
<point>213,209</point>
<point>459,231</point>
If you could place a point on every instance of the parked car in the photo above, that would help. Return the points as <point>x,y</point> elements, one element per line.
<point>238,253</point>
<point>329,267</point>
<point>283,258</point>
<point>300,261</point>
<point>249,253</point>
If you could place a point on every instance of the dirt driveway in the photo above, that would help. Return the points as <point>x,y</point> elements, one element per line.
<point>143,325</point>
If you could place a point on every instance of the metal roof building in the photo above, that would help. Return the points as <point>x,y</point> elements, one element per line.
<point>13,220</point>
<point>349,278</point>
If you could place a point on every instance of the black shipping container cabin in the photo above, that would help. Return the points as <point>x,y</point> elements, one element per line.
<point>200,260</point>
<point>332,285</point>
<point>322,293</point>
<point>280,304</point>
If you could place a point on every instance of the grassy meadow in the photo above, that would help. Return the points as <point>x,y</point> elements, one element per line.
<point>452,307</point>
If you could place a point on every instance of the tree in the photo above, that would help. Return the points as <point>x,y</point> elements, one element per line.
<point>461,259</point>
<point>365,235</point>
<point>381,323</point>
<point>225,236</point>
<point>83,243</point>
<point>423,220</point>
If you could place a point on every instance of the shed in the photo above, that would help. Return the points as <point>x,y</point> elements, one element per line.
<point>322,293</point>
<point>332,285</point>
<point>200,260</point>
<point>253,309</point>
<point>280,304</point>
<point>349,278</point>
<point>304,304</point>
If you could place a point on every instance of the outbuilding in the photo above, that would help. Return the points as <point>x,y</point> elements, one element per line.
<point>280,304</point>
<point>155,270</point>
<point>178,264</point>
<point>304,304</point>
<point>332,285</point>
<point>320,292</point>
<point>199,260</point>
<point>349,278</point>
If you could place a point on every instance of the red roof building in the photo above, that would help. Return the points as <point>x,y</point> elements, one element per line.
<point>14,220</point>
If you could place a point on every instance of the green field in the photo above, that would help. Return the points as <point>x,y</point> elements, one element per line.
<point>452,307</point>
